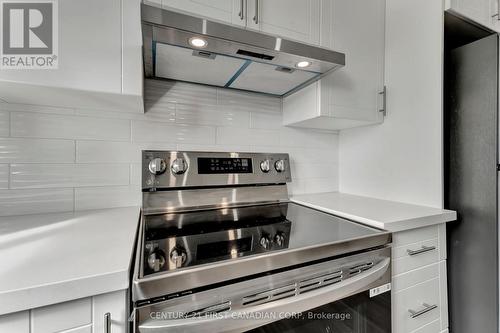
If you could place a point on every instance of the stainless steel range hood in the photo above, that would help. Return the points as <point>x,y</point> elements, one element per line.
<point>228,56</point>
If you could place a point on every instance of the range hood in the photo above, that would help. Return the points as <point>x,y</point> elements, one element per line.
<point>193,49</point>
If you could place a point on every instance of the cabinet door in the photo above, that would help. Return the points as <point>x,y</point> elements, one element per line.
<point>90,49</point>
<point>229,11</point>
<point>294,19</point>
<point>356,28</point>
<point>477,10</point>
<point>115,304</point>
<point>18,322</point>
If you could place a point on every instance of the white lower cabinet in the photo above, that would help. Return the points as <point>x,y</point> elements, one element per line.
<point>419,282</point>
<point>83,315</point>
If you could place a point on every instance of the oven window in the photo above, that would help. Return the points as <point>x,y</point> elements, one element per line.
<point>355,314</point>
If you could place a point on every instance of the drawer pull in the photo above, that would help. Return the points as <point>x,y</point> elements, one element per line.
<point>427,308</point>
<point>422,250</point>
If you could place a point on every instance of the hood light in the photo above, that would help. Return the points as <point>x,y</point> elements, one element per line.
<point>198,42</point>
<point>303,64</point>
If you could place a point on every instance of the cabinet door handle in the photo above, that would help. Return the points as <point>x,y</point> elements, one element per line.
<point>421,250</point>
<point>256,16</point>
<point>383,94</point>
<point>241,10</point>
<point>107,322</point>
<point>427,308</point>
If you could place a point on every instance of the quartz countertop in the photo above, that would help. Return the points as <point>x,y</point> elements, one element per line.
<point>52,258</point>
<point>383,214</point>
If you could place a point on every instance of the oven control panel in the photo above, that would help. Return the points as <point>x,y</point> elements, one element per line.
<point>176,169</point>
<point>178,252</point>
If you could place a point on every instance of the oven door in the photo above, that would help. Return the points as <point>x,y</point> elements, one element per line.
<point>359,313</point>
<point>347,294</point>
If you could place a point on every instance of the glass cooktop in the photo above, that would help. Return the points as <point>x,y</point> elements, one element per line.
<point>180,240</point>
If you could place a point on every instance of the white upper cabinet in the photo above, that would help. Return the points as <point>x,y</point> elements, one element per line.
<point>350,96</point>
<point>230,11</point>
<point>484,12</point>
<point>293,19</point>
<point>99,51</point>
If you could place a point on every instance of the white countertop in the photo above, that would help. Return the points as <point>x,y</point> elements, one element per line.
<point>383,214</point>
<point>52,258</point>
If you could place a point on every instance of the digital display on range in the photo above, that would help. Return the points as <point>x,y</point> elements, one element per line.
<point>209,165</point>
<point>223,248</point>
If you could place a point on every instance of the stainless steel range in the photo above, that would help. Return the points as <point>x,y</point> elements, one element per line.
<point>222,249</point>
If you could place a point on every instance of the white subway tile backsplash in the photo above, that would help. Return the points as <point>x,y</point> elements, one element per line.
<point>210,115</point>
<point>246,136</point>
<point>107,197</point>
<point>146,131</point>
<point>266,120</point>
<point>318,185</point>
<point>201,147</point>
<point>68,175</point>
<point>297,186</point>
<point>4,123</point>
<point>178,92</point>
<point>35,108</point>
<point>36,151</point>
<point>162,110</point>
<point>105,152</point>
<point>295,137</point>
<point>312,155</point>
<point>135,174</point>
<point>25,124</point>
<point>115,152</point>
<point>4,176</point>
<point>247,101</point>
<point>34,201</point>
<point>96,113</point>
<point>313,170</point>
<point>62,159</point>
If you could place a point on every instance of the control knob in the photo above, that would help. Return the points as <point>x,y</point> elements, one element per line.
<point>178,256</point>
<point>265,242</point>
<point>265,166</point>
<point>157,166</point>
<point>179,166</point>
<point>156,260</point>
<point>279,165</point>
<point>279,239</point>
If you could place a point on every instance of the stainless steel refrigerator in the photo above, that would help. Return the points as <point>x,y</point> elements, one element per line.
<point>471,175</point>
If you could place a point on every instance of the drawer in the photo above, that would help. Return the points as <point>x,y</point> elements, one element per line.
<point>409,279</point>
<point>84,329</point>
<point>414,235</point>
<point>427,246</point>
<point>433,327</point>
<point>62,316</point>
<point>413,298</point>
<point>412,256</point>
<point>422,234</point>
<point>404,288</point>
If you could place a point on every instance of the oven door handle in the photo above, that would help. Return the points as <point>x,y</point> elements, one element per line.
<point>255,316</point>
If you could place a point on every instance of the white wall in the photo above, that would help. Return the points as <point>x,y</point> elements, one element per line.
<point>402,159</point>
<point>64,159</point>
